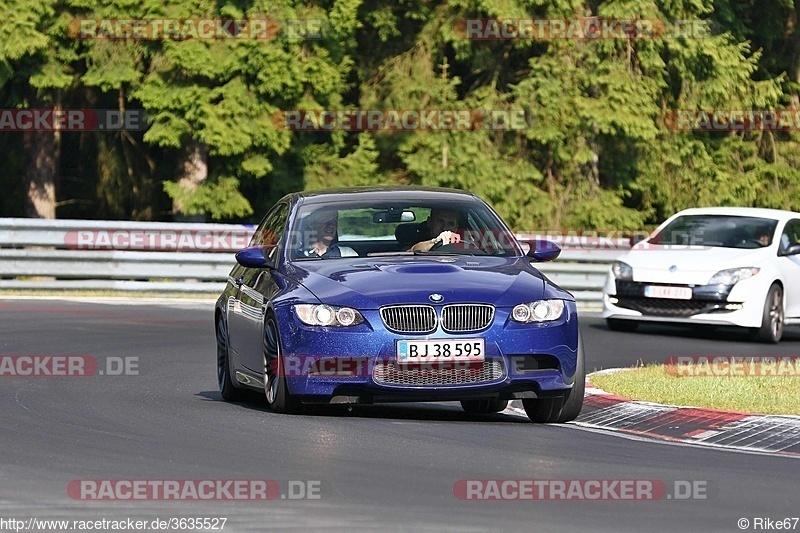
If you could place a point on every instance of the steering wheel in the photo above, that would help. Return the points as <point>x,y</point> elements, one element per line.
<point>467,244</point>
<point>757,242</point>
<point>463,246</point>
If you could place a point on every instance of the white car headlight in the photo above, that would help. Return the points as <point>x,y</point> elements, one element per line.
<point>327,315</point>
<point>622,270</point>
<point>538,311</point>
<point>732,276</point>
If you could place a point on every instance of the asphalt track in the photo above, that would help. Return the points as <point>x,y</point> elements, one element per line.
<point>379,467</point>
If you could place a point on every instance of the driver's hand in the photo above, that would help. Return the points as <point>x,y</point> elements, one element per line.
<point>447,237</point>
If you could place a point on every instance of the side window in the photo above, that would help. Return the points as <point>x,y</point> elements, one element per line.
<point>791,234</point>
<point>271,230</point>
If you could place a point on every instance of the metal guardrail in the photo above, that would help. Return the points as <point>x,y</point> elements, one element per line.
<point>110,255</point>
<point>196,258</point>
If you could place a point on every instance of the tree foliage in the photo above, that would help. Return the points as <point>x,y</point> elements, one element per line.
<point>596,150</point>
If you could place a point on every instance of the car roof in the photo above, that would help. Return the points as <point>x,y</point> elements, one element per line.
<point>777,214</point>
<point>400,193</point>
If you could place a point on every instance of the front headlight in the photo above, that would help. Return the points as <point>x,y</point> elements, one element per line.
<point>732,276</point>
<point>538,311</point>
<point>622,270</point>
<point>327,315</point>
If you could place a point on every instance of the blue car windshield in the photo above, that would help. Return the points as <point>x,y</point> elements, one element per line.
<point>335,230</point>
<point>724,231</point>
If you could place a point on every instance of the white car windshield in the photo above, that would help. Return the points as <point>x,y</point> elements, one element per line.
<point>723,231</point>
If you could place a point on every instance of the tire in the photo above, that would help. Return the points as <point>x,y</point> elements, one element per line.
<point>229,391</point>
<point>617,324</point>
<point>772,319</point>
<point>277,393</point>
<point>564,408</point>
<point>482,407</point>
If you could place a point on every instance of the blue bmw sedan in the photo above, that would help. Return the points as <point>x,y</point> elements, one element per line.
<point>365,295</point>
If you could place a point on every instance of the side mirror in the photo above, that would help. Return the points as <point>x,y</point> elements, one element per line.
<point>791,250</point>
<point>256,257</point>
<point>543,250</point>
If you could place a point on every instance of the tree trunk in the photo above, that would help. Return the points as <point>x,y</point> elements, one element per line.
<point>193,172</point>
<point>42,158</point>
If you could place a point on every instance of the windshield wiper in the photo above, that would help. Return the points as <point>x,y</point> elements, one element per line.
<point>389,254</point>
<point>436,252</point>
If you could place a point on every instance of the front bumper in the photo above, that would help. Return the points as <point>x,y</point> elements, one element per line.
<point>723,305</point>
<point>358,363</point>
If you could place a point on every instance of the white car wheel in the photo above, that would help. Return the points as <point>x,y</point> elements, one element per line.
<point>771,329</point>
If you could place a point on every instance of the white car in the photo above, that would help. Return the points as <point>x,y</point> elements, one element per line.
<point>721,266</point>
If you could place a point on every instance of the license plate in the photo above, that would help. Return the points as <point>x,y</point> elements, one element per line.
<point>676,293</point>
<point>462,350</point>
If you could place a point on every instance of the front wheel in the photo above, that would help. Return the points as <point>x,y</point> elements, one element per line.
<point>278,397</point>
<point>771,329</point>
<point>564,408</point>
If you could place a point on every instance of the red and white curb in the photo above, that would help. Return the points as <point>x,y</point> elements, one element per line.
<point>778,435</point>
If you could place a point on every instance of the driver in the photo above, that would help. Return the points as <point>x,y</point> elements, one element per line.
<point>442,223</point>
<point>765,237</point>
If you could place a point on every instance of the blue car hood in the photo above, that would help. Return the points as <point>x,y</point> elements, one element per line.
<point>369,283</point>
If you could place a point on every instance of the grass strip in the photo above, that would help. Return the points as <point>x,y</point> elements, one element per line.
<point>742,391</point>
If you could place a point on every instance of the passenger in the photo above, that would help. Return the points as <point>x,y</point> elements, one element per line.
<point>322,230</point>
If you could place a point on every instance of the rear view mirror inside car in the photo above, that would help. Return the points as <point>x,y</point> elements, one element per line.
<point>382,217</point>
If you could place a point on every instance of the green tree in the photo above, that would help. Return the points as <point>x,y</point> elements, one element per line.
<point>35,73</point>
